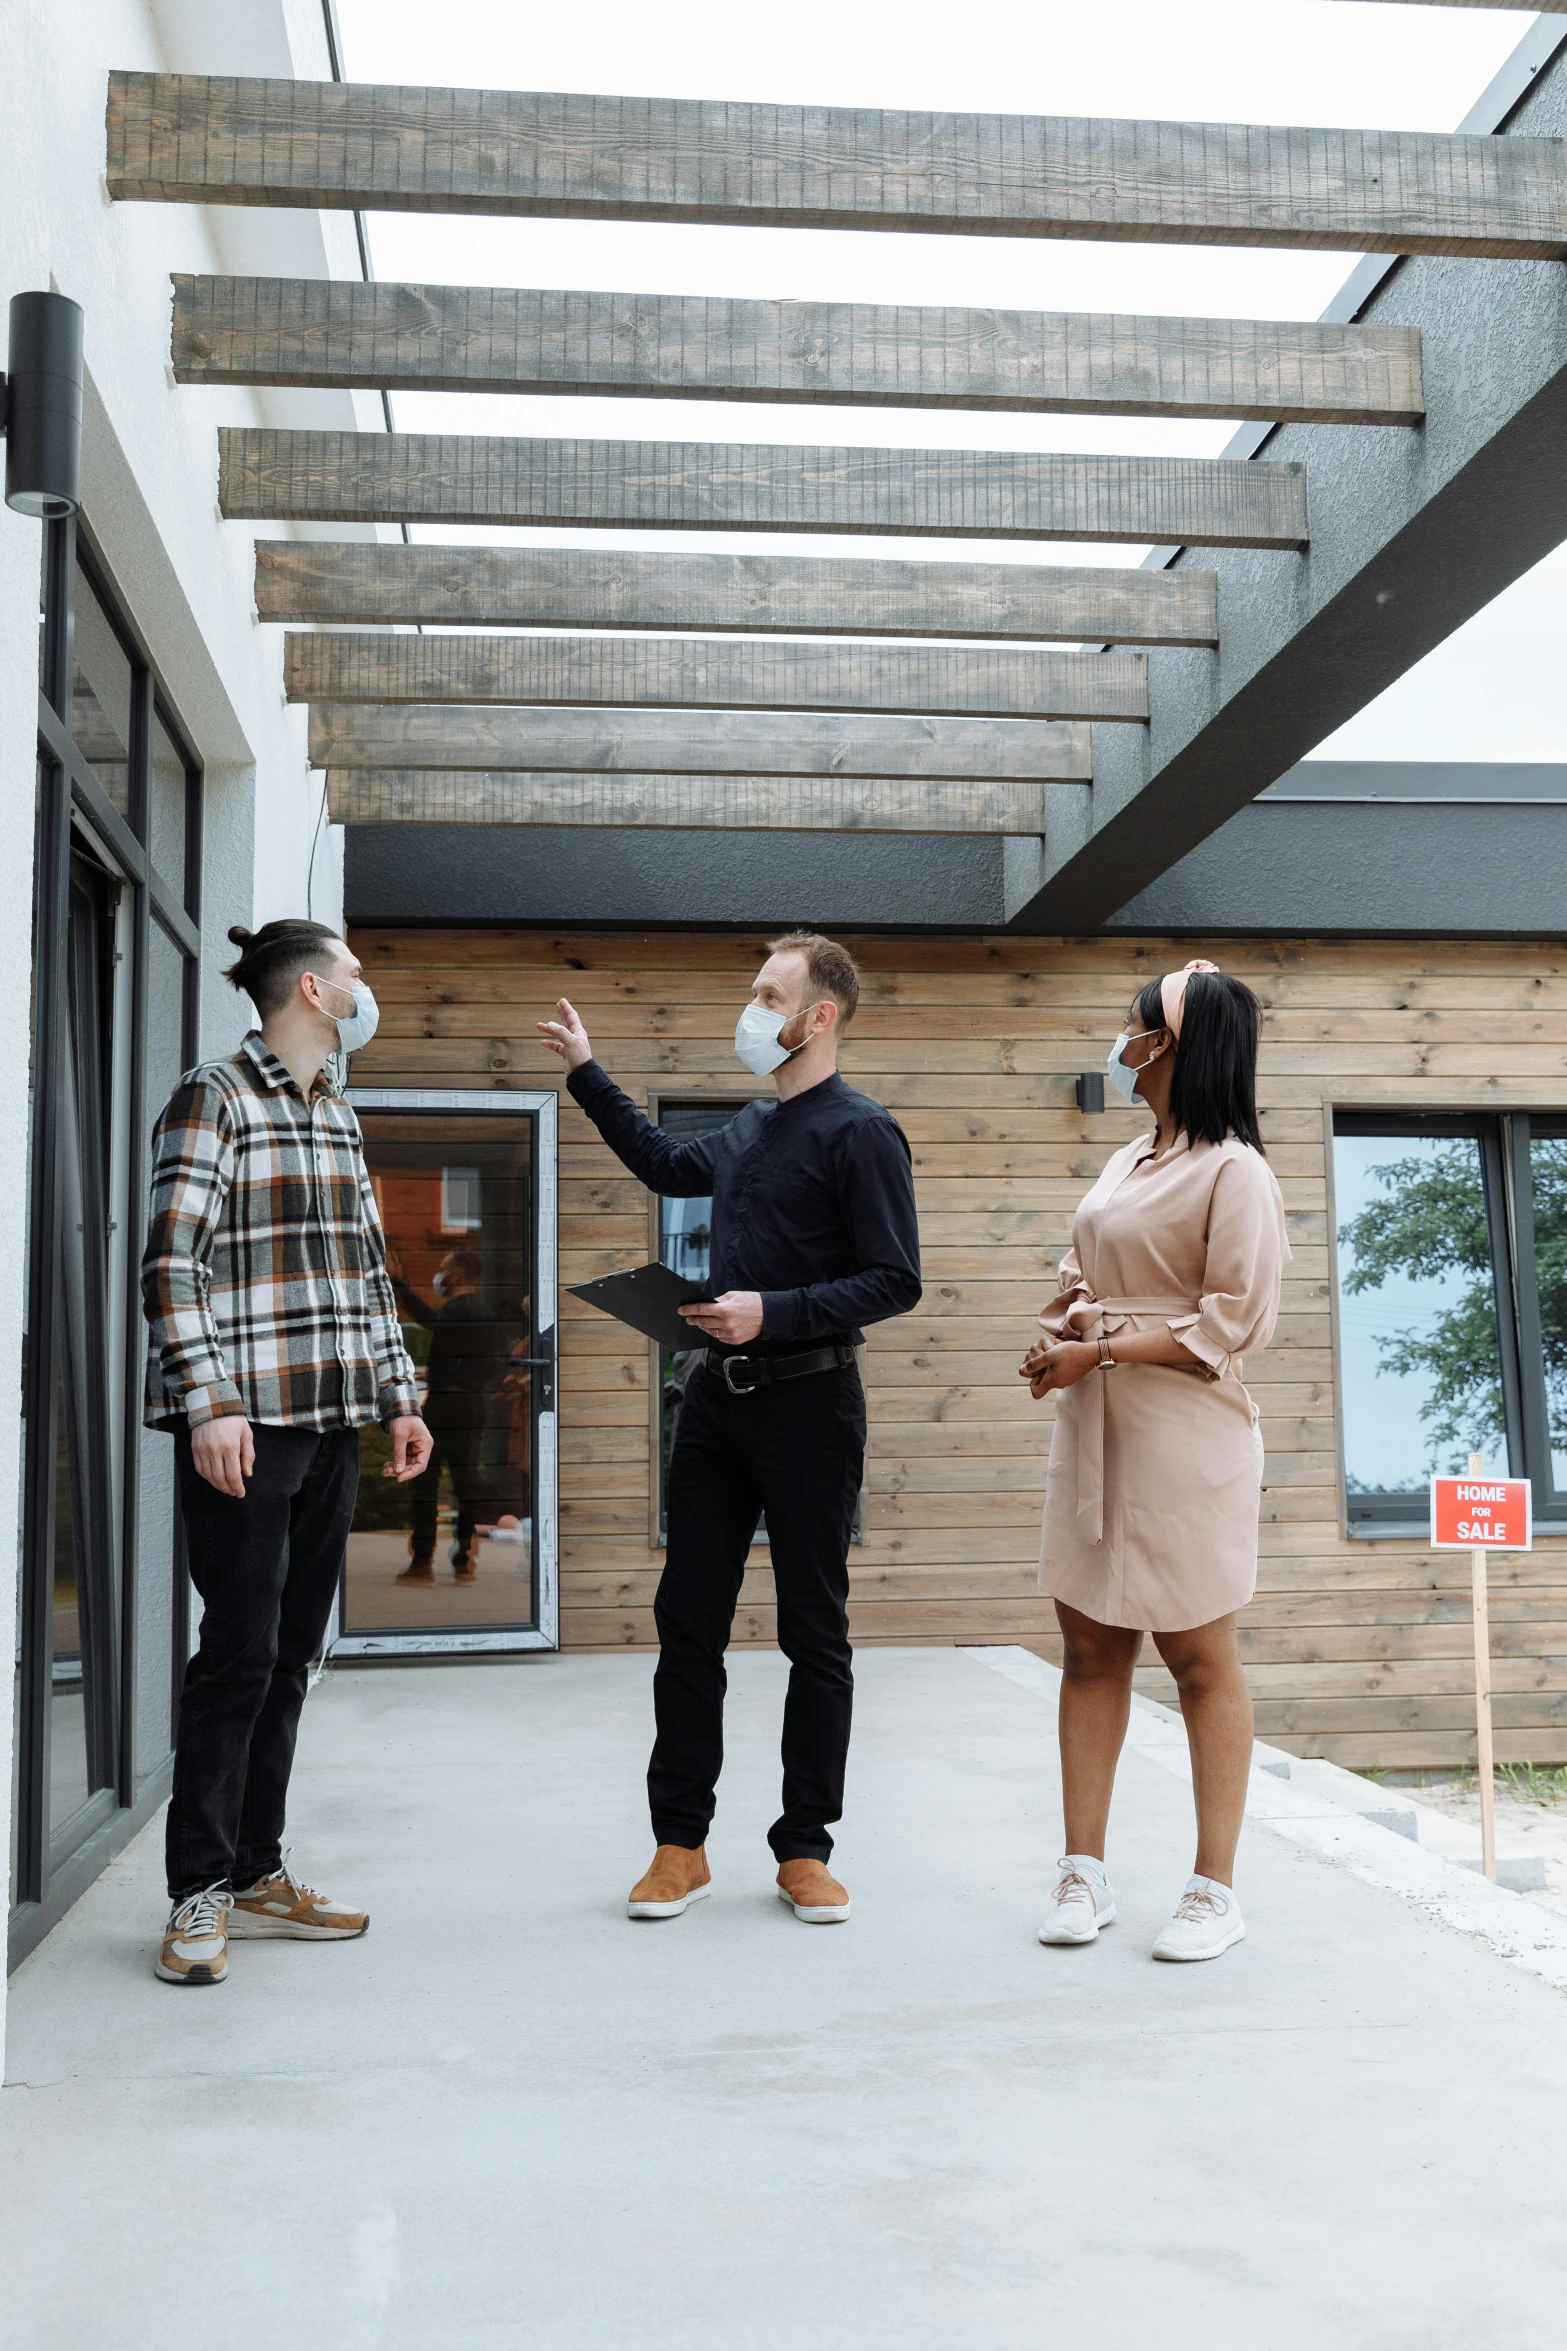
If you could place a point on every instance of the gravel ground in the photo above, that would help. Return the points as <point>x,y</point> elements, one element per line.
<point>1531,1815</point>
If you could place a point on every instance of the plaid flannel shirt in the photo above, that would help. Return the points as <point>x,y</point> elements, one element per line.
<point>264,1279</point>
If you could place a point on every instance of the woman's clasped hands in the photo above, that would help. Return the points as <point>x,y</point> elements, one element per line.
<point>1057,1363</point>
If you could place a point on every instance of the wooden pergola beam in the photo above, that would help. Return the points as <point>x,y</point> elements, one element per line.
<point>191,139</point>
<point>266,475</point>
<point>701,742</point>
<point>763,804</point>
<point>760,595</point>
<point>342,333</point>
<point>982,681</point>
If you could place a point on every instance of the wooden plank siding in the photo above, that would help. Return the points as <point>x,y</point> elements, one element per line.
<point>695,673</point>
<point>270,475</point>
<point>1356,1650</point>
<point>195,139</point>
<point>411,338</point>
<point>329,581</point>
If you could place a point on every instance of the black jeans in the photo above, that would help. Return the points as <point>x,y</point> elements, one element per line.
<point>459,1450</point>
<point>266,1568</point>
<point>798,1451</point>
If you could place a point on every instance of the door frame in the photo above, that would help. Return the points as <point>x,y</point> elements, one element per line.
<point>544,1106</point>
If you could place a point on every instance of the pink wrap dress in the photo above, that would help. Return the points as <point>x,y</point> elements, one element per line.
<point>1154,1486</point>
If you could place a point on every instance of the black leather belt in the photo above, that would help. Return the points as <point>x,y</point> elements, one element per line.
<point>763,1371</point>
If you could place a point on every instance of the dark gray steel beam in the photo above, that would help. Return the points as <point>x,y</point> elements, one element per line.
<point>1408,542</point>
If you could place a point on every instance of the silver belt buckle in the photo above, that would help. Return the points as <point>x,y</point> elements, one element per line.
<point>727,1366</point>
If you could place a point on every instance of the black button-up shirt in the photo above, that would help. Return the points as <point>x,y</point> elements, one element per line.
<point>813,1203</point>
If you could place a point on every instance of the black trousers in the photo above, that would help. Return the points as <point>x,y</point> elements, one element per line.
<point>266,1568</point>
<point>457,1449</point>
<point>798,1451</point>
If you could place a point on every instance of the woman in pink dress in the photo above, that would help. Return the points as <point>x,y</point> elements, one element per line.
<point>1155,1479</point>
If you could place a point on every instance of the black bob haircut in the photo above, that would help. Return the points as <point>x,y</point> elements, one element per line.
<point>1213,1090</point>
<point>272,959</point>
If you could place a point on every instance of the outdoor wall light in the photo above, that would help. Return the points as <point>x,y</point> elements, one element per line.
<point>1091,1090</point>
<point>41,406</point>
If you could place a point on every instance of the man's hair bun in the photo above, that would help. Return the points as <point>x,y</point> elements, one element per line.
<point>271,959</point>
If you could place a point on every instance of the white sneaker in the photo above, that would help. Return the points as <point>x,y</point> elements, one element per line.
<point>1207,1921</point>
<point>195,1946</point>
<point>1081,1904</point>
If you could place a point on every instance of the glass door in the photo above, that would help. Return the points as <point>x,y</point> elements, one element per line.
<point>464,1558</point>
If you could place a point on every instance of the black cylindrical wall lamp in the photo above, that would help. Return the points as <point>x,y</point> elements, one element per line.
<point>43,406</point>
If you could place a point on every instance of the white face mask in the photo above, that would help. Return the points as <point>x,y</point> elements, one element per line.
<point>756,1038</point>
<point>1123,1079</point>
<point>357,1030</point>
<point>438,1284</point>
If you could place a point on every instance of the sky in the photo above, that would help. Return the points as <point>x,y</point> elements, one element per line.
<point>1494,691</point>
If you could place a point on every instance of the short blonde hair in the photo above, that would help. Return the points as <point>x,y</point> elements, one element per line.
<point>830,969</point>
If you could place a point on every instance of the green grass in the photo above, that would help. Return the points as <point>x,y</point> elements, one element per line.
<point>1532,1783</point>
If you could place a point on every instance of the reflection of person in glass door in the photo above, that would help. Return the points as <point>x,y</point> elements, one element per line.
<point>461,1368</point>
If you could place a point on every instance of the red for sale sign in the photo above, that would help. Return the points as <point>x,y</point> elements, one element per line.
<point>1473,1513</point>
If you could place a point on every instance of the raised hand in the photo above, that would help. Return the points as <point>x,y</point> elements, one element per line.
<point>566,1036</point>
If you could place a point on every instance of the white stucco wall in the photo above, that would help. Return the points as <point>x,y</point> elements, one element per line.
<point>149,498</point>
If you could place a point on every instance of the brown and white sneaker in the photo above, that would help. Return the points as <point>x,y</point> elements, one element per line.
<point>195,1947</point>
<point>678,1876</point>
<point>813,1893</point>
<point>280,1906</point>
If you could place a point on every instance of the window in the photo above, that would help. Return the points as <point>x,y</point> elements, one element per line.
<point>460,1203</point>
<point>115,947</point>
<point>1452,1304</point>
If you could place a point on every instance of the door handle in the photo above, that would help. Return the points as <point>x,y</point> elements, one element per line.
<point>543,1363</point>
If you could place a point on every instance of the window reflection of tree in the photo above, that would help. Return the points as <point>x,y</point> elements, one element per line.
<point>1431,1226</point>
<point>1548,1171</point>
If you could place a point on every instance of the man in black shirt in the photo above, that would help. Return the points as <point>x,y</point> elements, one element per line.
<point>465,1361</point>
<point>814,1234</point>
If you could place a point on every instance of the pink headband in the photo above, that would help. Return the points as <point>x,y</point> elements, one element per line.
<point>1172,993</point>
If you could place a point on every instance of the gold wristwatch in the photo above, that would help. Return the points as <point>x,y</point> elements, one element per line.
<point>1106,1359</point>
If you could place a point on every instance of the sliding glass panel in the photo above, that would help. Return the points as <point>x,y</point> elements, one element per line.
<point>85,1634</point>
<point>101,697</point>
<point>166,796</point>
<point>71,1781</point>
<point>459,1550</point>
<point>157,1599</point>
<point>1548,1201</point>
<point>1420,1353</point>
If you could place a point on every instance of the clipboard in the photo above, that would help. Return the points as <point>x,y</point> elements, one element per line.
<point>645,1299</point>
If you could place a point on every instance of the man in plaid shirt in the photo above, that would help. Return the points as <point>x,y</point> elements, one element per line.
<point>274,1341</point>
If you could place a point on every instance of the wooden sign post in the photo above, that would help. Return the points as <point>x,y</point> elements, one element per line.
<point>1477,1514</point>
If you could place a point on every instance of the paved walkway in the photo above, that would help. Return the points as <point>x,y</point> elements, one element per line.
<point>511,2118</point>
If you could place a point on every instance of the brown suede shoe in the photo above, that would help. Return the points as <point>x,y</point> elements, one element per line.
<point>813,1893</point>
<point>678,1876</point>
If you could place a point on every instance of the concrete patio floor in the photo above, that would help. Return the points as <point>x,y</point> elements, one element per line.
<point>510,2117</point>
